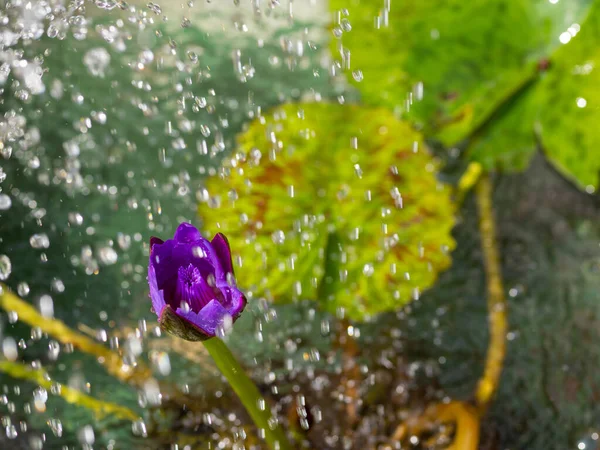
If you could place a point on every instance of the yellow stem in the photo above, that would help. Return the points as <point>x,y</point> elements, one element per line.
<point>467,424</point>
<point>469,178</point>
<point>101,409</point>
<point>488,383</point>
<point>463,416</point>
<point>62,333</point>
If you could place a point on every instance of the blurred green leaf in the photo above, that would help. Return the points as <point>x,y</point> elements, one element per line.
<point>482,68</point>
<point>557,110</point>
<point>568,101</point>
<point>469,56</point>
<point>333,202</point>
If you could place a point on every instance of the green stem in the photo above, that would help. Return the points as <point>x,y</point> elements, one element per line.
<point>248,393</point>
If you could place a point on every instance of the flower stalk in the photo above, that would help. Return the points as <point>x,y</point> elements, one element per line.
<point>248,393</point>
<point>497,315</point>
<point>101,409</point>
<point>65,335</point>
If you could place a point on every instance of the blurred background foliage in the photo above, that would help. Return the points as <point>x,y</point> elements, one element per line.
<point>493,77</point>
<point>138,111</point>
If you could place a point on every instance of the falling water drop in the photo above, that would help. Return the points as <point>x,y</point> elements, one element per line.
<point>5,202</point>
<point>23,289</point>
<point>5,267</point>
<point>107,256</point>
<point>138,428</point>
<point>39,241</point>
<point>86,436</point>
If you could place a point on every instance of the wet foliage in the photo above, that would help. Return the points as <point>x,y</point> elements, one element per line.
<point>351,216</point>
<point>329,143</point>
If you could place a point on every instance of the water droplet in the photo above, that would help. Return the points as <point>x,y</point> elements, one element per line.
<point>75,218</point>
<point>357,75</point>
<point>138,428</point>
<point>5,267</point>
<point>108,256</point>
<point>57,285</point>
<point>23,289</point>
<point>11,432</point>
<point>156,9</point>
<point>358,171</point>
<point>5,202</point>
<point>97,60</point>
<point>325,327</point>
<point>278,237</point>
<point>36,442</point>
<point>86,436</point>
<point>46,306</point>
<point>162,363</point>
<point>40,240</point>
<point>40,397</point>
<point>261,404</point>
<point>36,333</point>
<point>56,427</point>
<point>151,391</point>
<point>13,316</point>
<point>53,350</point>
<point>9,348</point>
<point>146,57</point>
<point>198,252</point>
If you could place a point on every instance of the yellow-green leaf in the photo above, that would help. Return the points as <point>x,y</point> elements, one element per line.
<point>334,203</point>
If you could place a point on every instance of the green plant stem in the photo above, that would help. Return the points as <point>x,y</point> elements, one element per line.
<point>248,393</point>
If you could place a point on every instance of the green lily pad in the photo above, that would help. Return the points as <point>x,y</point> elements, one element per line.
<point>334,203</point>
<point>569,106</point>
<point>557,111</point>
<point>469,56</point>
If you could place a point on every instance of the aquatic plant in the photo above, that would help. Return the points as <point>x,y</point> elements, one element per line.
<point>371,200</point>
<point>192,285</point>
<point>194,295</point>
<point>339,204</point>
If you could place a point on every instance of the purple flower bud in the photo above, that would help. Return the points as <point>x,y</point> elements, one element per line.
<point>191,282</point>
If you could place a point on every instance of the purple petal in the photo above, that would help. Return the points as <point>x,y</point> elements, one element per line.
<point>208,319</point>
<point>157,295</point>
<point>202,255</point>
<point>168,257</point>
<point>161,259</point>
<point>193,289</point>
<point>195,253</point>
<point>237,303</point>
<point>186,232</point>
<point>154,240</point>
<point>220,244</point>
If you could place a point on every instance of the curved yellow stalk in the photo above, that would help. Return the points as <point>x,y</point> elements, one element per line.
<point>463,416</point>
<point>466,419</point>
<point>65,335</point>
<point>100,408</point>
<point>488,383</point>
